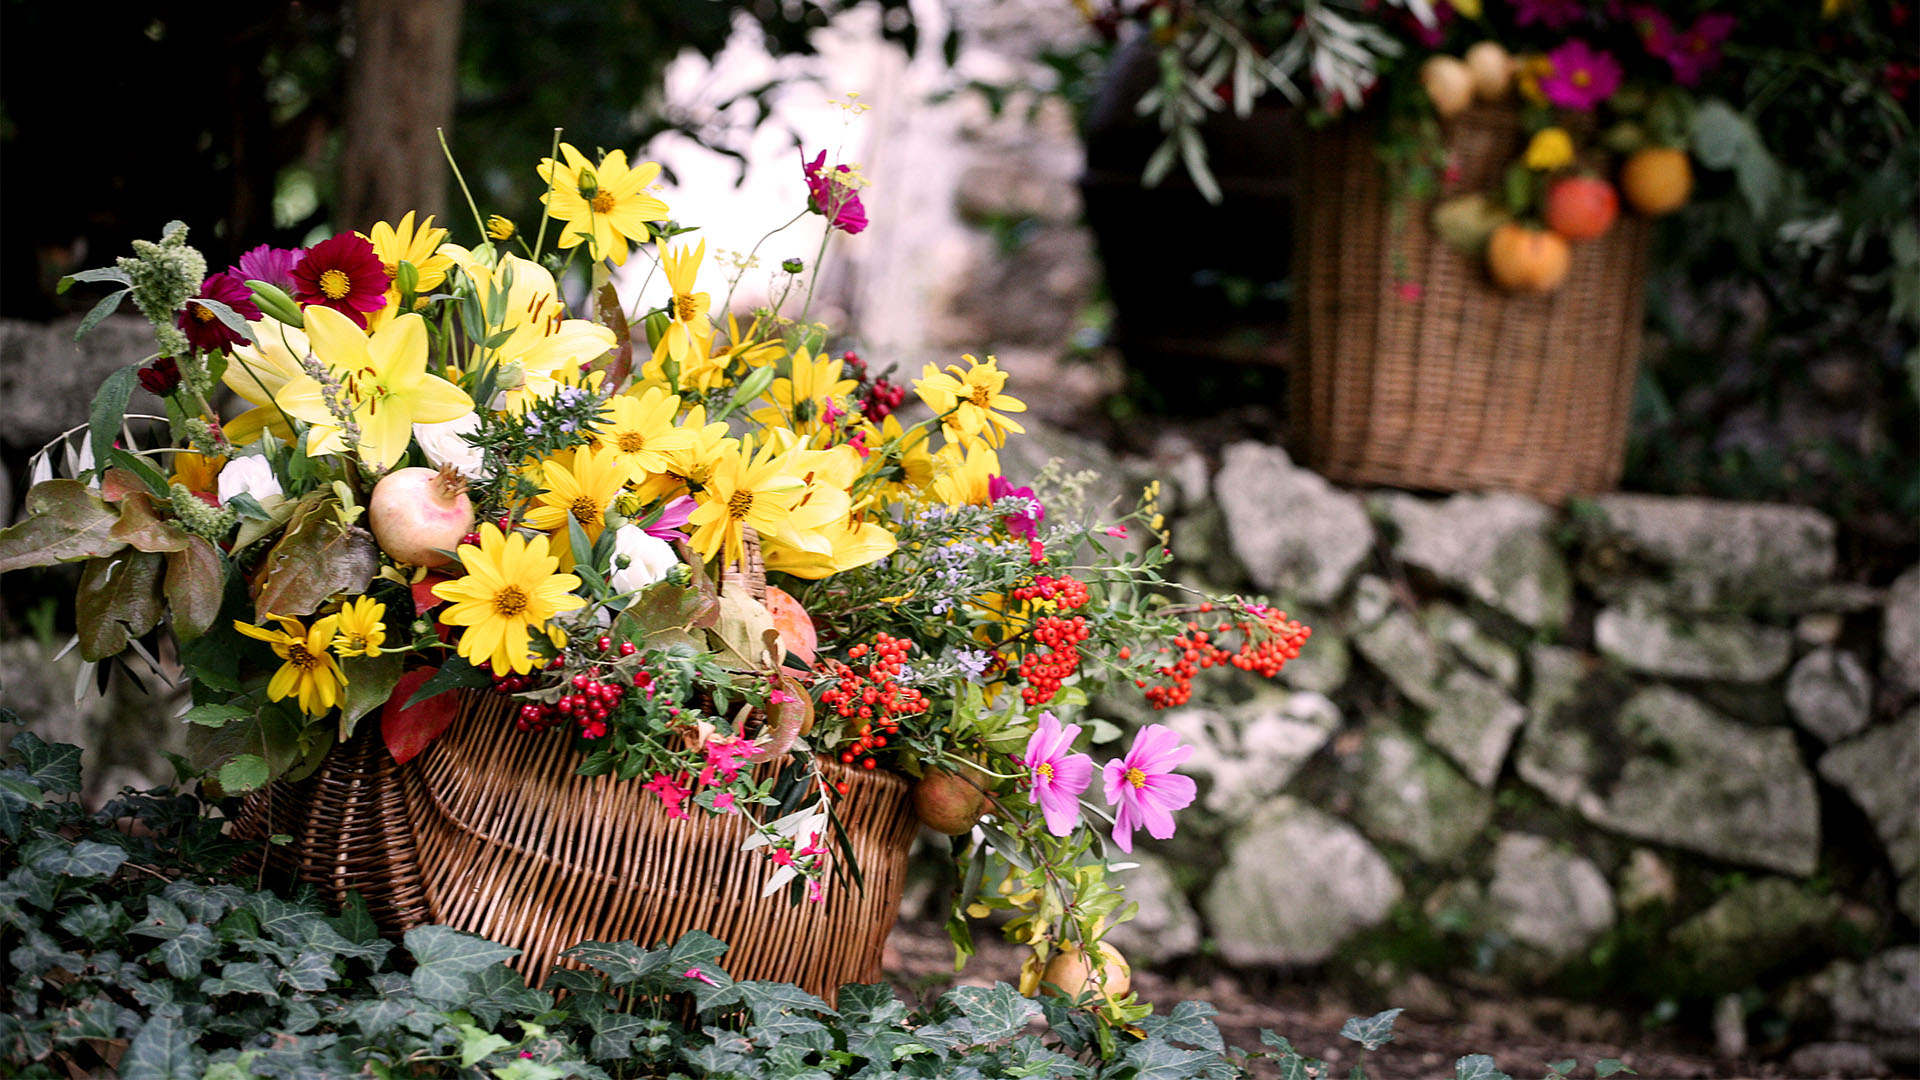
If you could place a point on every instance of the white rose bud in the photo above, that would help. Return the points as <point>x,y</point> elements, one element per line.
<point>648,559</point>
<point>444,445</point>
<point>248,476</point>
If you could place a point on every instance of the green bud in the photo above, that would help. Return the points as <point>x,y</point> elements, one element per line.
<point>793,266</point>
<point>274,302</point>
<point>407,278</point>
<point>656,324</point>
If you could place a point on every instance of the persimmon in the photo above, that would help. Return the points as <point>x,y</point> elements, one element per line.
<point>1528,260</point>
<point>1581,207</point>
<point>1068,969</point>
<point>1657,180</point>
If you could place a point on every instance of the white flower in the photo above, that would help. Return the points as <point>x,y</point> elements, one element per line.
<point>649,559</point>
<point>248,476</point>
<point>444,446</point>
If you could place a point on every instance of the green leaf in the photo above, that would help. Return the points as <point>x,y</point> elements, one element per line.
<point>196,582</point>
<point>228,317</point>
<point>1190,1022</point>
<point>103,273</point>
<point>769,1000</point>
<point>244,773</point>
<point>215,715</point>
<point>313,561</point>
<point>1606,1067</point>
<point>106,306</point>
<point>476,1044</point>
<point>163,1050</point>
<point>119,599</point>
<point>455,674</point>
<point>997,1012</point>
<point>311,971</point>
<point>370,682</point>
<point>1155,1059</point>
<point>156,481</point>
<point>186,951</point>
<point>86,859</point>
<point>245,977</point>
<point>63,521</point>
<point>109,412</point>
<point>1372,1032</point>
<point>145,530</point>
<point>447,961</point>
<point>1477,1067</point>
<point>1563,1067</point>
<point>53,767</point>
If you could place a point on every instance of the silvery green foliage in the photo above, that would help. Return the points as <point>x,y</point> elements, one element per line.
<point>163,276</point>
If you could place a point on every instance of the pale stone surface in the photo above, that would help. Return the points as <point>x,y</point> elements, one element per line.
<point>1880,770</point>
<point>48,380</point>
<point>1372,599</point>
<point>1646,879</point>
<point>1402,651</point>
<point>1474,722</point>
<point>1900,633</point>
<point>1410,796</point>
<point>1735,939</point>
<point>1687,647</point>
<point>1324,660</point>
<point>1165,927</point>
<point>1829,693</point>
<point>1293,531</point>
<point>1298,883</point>
<point>1247,753</point>
<point>1495,547</point>
<point>1546,898</point>
<point>1668,769</point>
<point>1484,651</point>
<point>1719,555</point>
<point>1878,999</point>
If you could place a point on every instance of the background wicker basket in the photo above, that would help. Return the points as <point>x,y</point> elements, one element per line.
<point>1466,387</point>
<point>519,848</point>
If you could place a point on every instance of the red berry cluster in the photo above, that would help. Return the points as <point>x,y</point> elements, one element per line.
<point>1044,670</point>
<point>590,702</point>
<point>1067,593</point>
<point>881,398</point>
<point>1267,640</point>
<point>869,698</point>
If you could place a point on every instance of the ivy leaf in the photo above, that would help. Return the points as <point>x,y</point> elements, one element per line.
<point>86,859</point>
<point>1372,1032</point>
<point>448,959</point>
<point>1563,1067</point>
<point>1606,1067</point>
<point>1190,1022</point>
<point>184,952</point>
<point>1156,1059</point>
<point>476,1044</point>
<point>244,977</point>
<point>696,948</point>
<point>63,521</point>
<point>244,773</point>
<point>54,767</point>
<point>499,991</point>
<point>118,600</point>
<point>614,1032</point>
<point>870,1003</point>
<point>1293,1065</point>
<point>1477,1067</point>
<point>214,715</point>
<point>163,1050</point>
<point>310,971</point>
<point>998,1012</point>
<point>196,581</point>
<point>768,1000</point>
<point>622,962</point>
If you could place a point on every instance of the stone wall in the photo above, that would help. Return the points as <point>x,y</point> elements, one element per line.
<point>1646,746</point>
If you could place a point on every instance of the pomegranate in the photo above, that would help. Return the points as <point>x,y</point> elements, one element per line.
<point>1581,207</point>
<point>1069,970</point>
<point>416,512</point>
<point>947,802</point>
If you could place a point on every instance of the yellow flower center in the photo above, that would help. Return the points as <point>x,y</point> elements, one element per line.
<point>740,504</point>
<point>1137,778</point>
<point>301,657</point>
<point>1581,78</point>
<point>584,510</point>
<point>1044,769</point>
<point>203,312</point>
<point>509,601</point>
<point>392,269</point>
<point>602,203</point>
<point>982,396</point>
<point>335,284</point>
<point>630,442</point>
<point>684,309</point>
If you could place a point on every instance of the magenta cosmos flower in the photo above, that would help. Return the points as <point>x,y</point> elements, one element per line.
<point>1143,788</point>
<point>1553,14</point>
<point>1058,776</point>
<point>829,196</point>
<point>204,330</point>
<point>1021,525</point>
<point>345,274</point>
<point>269,264</point>
<point>1696,50</point>
<point>1582,77</point>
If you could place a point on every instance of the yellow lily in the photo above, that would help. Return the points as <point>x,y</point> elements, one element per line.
<point>383,383</point>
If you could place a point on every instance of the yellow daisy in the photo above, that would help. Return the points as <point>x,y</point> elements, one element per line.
<point>400,243</point>
<point>510,587</point>
<point>689,335</point>
<point>310,672</point>
<point>966,401</point>
<point>741,495</point>
<point>801,401</point>
<point>695,462</point>
<point>607,206</point>
<point>963,478</point>
<point>362,629</point>
<point>641,430</point>
<point>581,490</point>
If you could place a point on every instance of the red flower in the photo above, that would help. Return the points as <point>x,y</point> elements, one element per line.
<point>832,194</point>
<point>160,378</point>
<point>344,274</point>
<point>204,330</point>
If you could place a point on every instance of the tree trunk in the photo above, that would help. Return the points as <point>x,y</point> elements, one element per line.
<point>400,88</point>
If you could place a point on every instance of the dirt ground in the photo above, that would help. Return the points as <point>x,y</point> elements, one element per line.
<point>919,960</point>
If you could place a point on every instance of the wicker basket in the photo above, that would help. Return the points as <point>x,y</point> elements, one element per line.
<point>1466,387</point>
<point>349,828</point>
<point>519,848</point>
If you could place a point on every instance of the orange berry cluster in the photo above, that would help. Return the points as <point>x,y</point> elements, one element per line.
<point>1267,640</point>
<point>869,698</point>
<point>1045,669</point>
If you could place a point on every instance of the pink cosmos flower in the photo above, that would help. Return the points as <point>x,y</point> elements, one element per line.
<point>1410,291</point>
<point>1582,77</point>
<point>1021,525</point>
<point>1058,777</point>
<point>1142,787</point>
<point>1553,14</point>
<point>671,524</point>
<point>1696,51</point>
<point>269,264</point>
<point>838,202</point>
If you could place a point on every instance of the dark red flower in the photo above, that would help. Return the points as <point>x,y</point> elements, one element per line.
<point>344,274</point>
<point>160,378</point>
<point>204,330</point>
<point>831,192</point>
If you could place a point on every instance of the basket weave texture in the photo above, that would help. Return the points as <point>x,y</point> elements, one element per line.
<point>1466,387</point>
<point>517,847</point>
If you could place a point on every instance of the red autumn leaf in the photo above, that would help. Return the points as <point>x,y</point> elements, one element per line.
<point>423,598</point>
<point>409,730</point>
<point>793,622</point>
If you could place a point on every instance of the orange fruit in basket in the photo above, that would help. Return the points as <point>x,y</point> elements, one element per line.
<point>1657,180</point>
<point>1528,260</point>
<point>1581,207</point>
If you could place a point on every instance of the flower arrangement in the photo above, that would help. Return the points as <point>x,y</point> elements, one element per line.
<point>1606,97</point>
<point>446,479</point>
